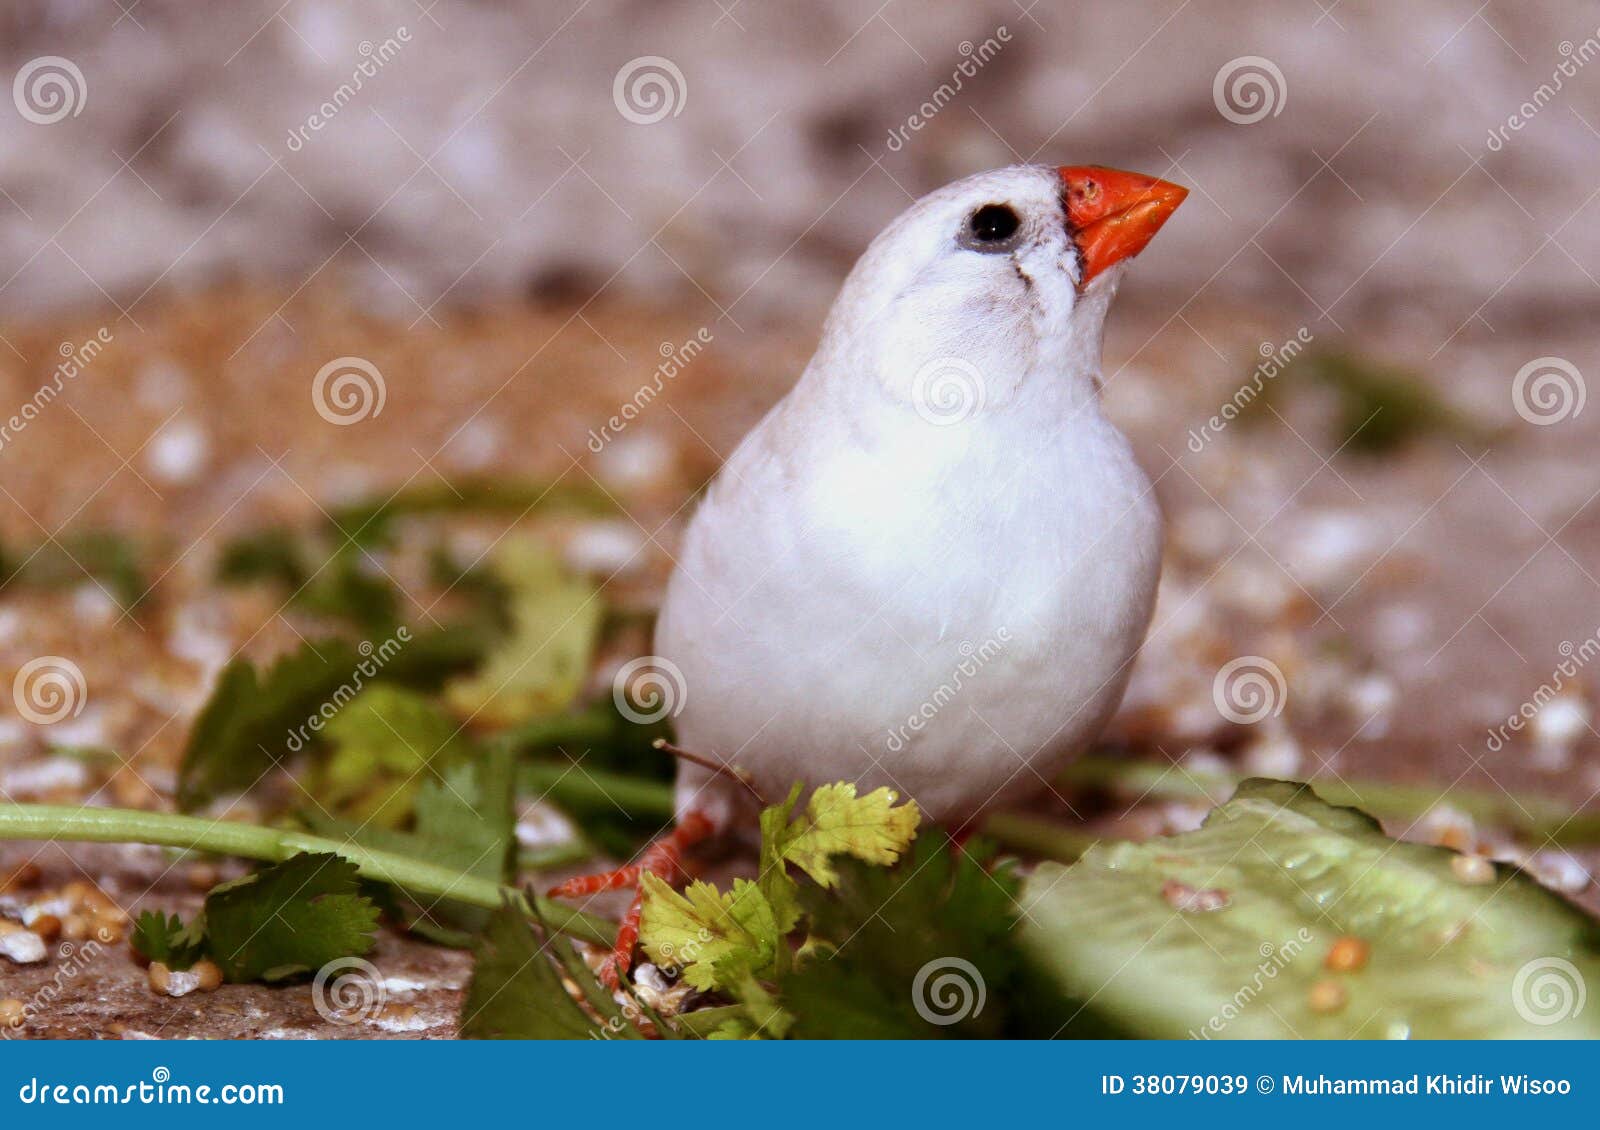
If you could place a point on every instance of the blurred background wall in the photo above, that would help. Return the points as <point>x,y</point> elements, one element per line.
<point>1352,160</point>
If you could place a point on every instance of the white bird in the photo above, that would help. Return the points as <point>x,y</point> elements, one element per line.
<point>931,564</point>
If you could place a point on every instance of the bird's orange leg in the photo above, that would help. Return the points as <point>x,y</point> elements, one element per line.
<point>664,858</point>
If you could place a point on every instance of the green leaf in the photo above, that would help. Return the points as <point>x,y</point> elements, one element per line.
<point>385,745</point>
<point>104,557</point>
<point>349,586</point>
<point>372,522</point>
<point>783,893</point>
<point>540,667</point>
<point>157,937</point>
<point>517,993</point>
<point>837,822</point>
<point>1226,932</point>
<point>939,930</point>
<point>718,937</point>
<point>290,918</point>
<point>255,720</point>
<point>758,1016</point>
<point>464,820</point>
<point>715,937</point>
<point>272,554</point>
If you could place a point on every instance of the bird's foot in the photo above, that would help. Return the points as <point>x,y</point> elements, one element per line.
<point>664,858</point>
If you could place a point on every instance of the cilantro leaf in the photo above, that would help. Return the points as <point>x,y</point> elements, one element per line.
<point>837,822</point>
<point>253,718</point>
<point>158,937</point>
<point>540,667</point>
<point>718,936</point>
<point>517,993</point>
<point>715,936</point>
<point>290,918</point>
<point>383,744</point>
<point>938,916</point>
<point>462,819</point>
<point>256,719</point>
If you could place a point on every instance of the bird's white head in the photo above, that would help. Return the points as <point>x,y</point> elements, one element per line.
<point>997,284</point>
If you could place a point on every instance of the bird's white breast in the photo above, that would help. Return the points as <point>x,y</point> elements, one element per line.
<point>949,611</point>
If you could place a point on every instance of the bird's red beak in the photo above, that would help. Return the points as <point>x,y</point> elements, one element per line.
<point>1113,214</point>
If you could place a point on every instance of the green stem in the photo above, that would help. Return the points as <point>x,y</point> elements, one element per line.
<point>590,727</point>
<point>1035,835</point>
<point>1538,817</point>
<point>273,845</point>
<point>589,789</point>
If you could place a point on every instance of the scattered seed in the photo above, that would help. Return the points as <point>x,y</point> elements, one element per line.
<point>21,945</point>
<point>23,875</point>
<point>12,1013</point>
<point>1327,997</point>
<point>76,927</point>
<point>209,974</point>
<point>1347,954</point>
<point>47,926</point>
<point>203,876</point>
<point>1473,870</point>
<point>403,1015</point>
<point>1181,896</point>
<point>160,977</point>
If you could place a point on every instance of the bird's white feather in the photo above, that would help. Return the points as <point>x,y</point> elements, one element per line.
<point>941,596</point>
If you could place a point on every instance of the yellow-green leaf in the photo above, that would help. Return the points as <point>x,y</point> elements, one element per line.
<point>541,665</point>
<point>871,828</point>
<point>714,936</point>
<point>381,746</point>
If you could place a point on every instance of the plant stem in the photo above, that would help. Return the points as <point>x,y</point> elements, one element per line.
<point>1037,835</point>
<point>273,845</point>
<point>589,789</point>
<point>589,727</point>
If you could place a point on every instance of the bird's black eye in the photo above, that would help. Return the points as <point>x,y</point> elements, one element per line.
<point>991,228</point>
